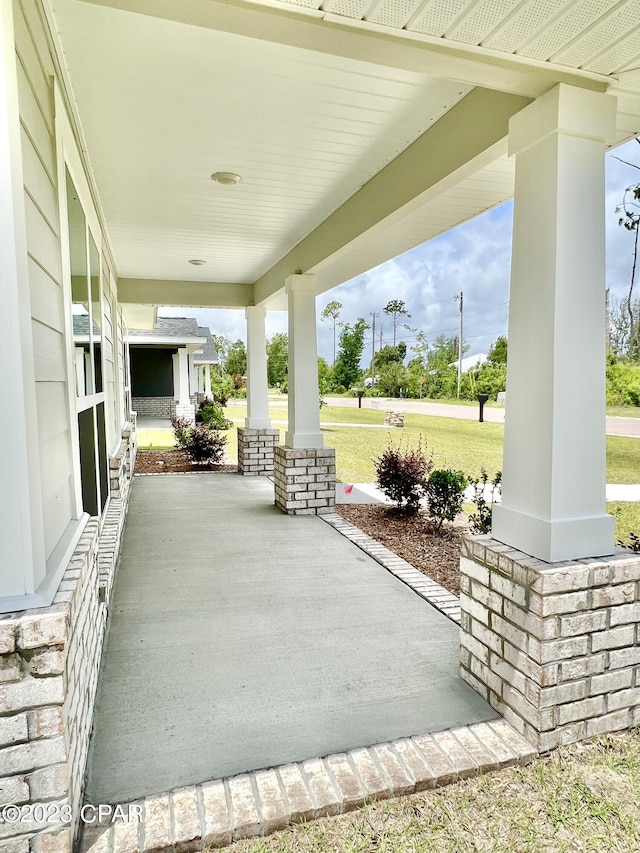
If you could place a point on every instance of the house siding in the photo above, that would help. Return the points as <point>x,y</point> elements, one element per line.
<point>35,97</point>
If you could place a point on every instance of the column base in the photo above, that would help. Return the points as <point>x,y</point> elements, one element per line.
<point>186,411</point>
<point>552,541</point>
<point>305,480</point>
<point>255,451</point>
<point>554,648</point>
<point>303,440</point>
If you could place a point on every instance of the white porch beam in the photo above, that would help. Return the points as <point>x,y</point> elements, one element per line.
<point>554,445</point>
<point>304,394</point>
<point>337,35</point>
<point>257,386</point>
<point>438,160</point>
<point>190,294</point>
<point>22,550</point>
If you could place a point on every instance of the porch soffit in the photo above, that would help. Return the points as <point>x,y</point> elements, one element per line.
<point>318,110</point>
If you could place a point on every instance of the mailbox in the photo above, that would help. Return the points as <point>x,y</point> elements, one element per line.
<point>482,399</point>
<point>360,396</point>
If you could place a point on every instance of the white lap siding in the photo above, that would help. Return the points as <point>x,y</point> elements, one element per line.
<point>35,82</point>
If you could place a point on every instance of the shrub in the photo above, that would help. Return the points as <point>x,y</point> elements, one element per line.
<point>445,493</point>
<point>632,545</point>
<point>212,414</point>
<point>202,444</point>
<point>481,519</point>
<point>205,446</point>
<point>181,430</point>
<point>401,475</point>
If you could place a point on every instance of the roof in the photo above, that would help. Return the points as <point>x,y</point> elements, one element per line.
<point>173,327</point>
<point>208,354</point>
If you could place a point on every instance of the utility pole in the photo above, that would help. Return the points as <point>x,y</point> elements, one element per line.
<point>459,298</point>
<point>373,339</point>
<point>380,347</point>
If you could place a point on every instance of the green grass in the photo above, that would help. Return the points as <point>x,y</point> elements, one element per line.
<point>464,445</point>
<point>459,444</point>
<point>627,516</point>
<point>624,411</point>
<point>581,799</point>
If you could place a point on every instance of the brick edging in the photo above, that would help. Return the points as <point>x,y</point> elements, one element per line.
<point>258,803</point>
<point>439,597</point>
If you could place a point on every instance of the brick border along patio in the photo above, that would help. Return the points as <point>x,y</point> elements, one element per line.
<point>254,804</point>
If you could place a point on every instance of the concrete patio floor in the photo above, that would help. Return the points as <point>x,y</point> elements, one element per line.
<point>241,638</point>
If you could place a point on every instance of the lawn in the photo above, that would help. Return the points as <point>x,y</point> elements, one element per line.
<point>460,444</point>
<point>581,799</point>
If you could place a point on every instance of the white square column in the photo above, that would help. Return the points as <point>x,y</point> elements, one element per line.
<point>207,381</point>
<point>553,504</point>
<point>304,393</point>
<point>257,386</point>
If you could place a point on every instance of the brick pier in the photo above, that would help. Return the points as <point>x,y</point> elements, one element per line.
<point>554,648</point>
<point>305,480</point>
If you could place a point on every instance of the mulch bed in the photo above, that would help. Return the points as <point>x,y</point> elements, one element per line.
<point>172,462</point>
<point>413,538</point>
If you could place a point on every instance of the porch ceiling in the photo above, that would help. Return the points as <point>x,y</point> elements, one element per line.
<point>309,103</point>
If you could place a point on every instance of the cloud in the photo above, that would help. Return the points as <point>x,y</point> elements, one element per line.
<point>473,258</point>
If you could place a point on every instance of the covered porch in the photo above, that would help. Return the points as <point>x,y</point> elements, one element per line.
<point>219,662</point>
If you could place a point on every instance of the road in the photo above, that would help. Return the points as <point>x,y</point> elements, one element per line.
<point>615,426</point>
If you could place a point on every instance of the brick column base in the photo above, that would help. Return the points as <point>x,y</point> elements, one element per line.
<point>255,450</point>
<point>187,412</point>
<point>305,480</point>
<point>554,647</point>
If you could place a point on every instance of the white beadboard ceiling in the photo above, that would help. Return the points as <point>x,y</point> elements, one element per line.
<point>164,103</point>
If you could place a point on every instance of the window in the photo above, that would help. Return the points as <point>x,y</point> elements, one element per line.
<point>86,309</point>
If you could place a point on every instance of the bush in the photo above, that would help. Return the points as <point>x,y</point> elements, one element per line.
<point>181,430</point>
<point>632,545</point>
<point>212,414</point>
<point>401,475</point>
<point>445,493</point>
<point>202,444</point>
<point>206,446</point>
<point>481,519</point>
<point>623,383</point>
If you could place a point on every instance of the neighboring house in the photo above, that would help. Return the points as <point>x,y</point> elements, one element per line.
<point>167,366</point>
<point>470,361</point>
<point>336,139</point>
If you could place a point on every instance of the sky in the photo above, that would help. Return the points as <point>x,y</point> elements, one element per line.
<point>473,258</point>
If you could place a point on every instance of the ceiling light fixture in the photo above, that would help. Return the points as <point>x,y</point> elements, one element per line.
<point>227,179</point>
<point>197,262</point>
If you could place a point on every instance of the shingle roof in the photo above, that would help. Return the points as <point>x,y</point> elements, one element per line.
<point>176,327</point>
<point>208,352</point>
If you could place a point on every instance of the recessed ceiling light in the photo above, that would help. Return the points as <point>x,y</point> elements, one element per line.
<point>197,262</point>
<point>226,178</point>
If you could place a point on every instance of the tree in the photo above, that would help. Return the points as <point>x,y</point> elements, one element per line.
<point>389,355</point>
<point>222,345</point>
<point>236,361</point>
<point>392,378</point>
<point>498,351</point>
<point>346,369</point>
<point>277,359</point>
<point>623,335</point>
<point>325,375</point>
<point>332,312</point>
<point>396,308</point>
<point>629,209</point>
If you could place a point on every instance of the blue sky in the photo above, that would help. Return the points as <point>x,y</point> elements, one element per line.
<point>474,258</point>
